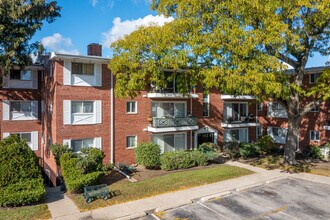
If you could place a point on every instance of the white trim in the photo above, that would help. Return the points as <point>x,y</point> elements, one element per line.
<point>315,132</point>
<point>239,125</point>
<point>79,58</point>
<point>326,127</point>
<point>239,129</point>
<point>205,130</point>
<point>248,97</point>
<point>172,129</point>
<point>171,133</point>
<point>135,141</point>
<point>208,105</point>
<point>136,107</point>
<point>167,95</point>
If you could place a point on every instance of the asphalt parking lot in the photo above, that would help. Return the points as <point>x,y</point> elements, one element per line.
<point>283,199</point>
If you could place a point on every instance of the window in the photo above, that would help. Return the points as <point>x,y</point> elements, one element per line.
<point>169,109</point>
<point>131,141</point>
<point>206,105</point>
<point>31,138</point>
<point>235,112</point>
<point>275,109</point>
<point>170,142</point>
<point>82,106</point>
<point>259,131</point>
<point>25,136</point>
<point>83,68</point>
<point>20,106</point>
<point>259,106</point>
<point>315,108</point>
<point>240,135</point>
<point>131,107</point>
<point>313,77</point>
<point>278,134</point>
<point>82,143</point>
<point>314,135</point>
<point>21,75</point>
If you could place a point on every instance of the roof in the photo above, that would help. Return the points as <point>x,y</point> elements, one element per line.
<point>61,56</point>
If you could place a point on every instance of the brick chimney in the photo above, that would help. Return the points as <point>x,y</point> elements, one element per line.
<point>94,50</point>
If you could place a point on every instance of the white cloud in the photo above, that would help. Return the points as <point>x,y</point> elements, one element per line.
<point>58,43</point>
<point>94,2</point>
<point>121,28</point>
<point>288,65</point>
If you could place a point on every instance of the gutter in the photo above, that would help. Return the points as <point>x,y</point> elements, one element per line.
<point>112,153</point>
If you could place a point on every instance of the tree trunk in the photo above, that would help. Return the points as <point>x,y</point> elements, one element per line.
<point>292,140</point>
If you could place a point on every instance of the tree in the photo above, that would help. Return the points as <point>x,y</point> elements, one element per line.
<point>19,20</point>
<point>239,47</point>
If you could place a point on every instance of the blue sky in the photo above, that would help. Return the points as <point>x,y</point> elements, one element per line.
<point>102,21</point>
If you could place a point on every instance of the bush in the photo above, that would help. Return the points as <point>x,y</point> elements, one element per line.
<point>90,160</point>
<point>74,178</point>
<point>21,182</point>
<point>22,193</point>
<point>316,152</point>
<point>182,159</point>
<point>232,149</point>
<point>266,145</point>
<point>58,150</point>
<point>248,150</point>
<point>210,150</point>
<point>148,155</point>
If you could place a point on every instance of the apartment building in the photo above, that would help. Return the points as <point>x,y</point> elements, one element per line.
<point>69,99</point>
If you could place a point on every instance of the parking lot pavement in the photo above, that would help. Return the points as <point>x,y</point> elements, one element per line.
<point>284,199</point>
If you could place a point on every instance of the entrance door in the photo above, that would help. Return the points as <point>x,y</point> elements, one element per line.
<point>205,138</point>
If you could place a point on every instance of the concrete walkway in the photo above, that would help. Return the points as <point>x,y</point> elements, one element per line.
<point>64,208</point>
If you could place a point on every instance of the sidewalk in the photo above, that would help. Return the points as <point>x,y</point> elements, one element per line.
<point>64,208</point>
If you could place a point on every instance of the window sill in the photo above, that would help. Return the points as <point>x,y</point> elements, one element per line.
<point>130,148</point>
<point>131,113</point>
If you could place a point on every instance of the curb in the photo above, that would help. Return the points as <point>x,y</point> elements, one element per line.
<point>164,208</point>
<point>134,216</point>
<point>248,187</point>
<point>215,196</point>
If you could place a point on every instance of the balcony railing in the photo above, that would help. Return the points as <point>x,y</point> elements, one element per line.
<point>174,122</point>
<point>240,119</point>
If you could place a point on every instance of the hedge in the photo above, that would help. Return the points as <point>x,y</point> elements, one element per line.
<point>182,160</point>
<point>75,180</point>
<point>22,193</point>
<point>148,155</point>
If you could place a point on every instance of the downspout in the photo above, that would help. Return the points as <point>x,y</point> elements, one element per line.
<point>191,145</point>
<point>112,107</point>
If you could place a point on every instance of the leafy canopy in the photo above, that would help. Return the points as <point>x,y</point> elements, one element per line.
<point>19,20</point>
<point>240,47</point>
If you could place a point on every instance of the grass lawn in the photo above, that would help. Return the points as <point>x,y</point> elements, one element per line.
<point>162,184</point>
<point>276,162</point>
<point>26,212</point>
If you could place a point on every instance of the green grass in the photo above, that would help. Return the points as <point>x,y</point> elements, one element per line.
<point>158,185</point>
<point>25,212</point>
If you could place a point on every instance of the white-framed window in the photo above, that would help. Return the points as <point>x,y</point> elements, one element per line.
<point>278,134</point>
<point>82,68</point>
<point>314,135</point>
<point>24,75</point>
<point>51,69</point>
<point>313,77</point>
<point>316,108</point>
<point>77,144</point>
<point>206,105</point>
<point>82,74</point>
<point>131,107</point>
<point>169,109</point>
<point>30,137</point>
<point>170,141</point>
<point>19,110</point>
<point>259,132</point>
<point>82,112</point>
<point>235,112</point>
<point>276,110</point>
<point>131,141</point>
<point>237,134</point>
<point>260,106</point>
<point>50,107</point>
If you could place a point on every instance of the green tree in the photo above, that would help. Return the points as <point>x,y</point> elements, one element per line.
<point>239,47</point>
<point>19,20</point>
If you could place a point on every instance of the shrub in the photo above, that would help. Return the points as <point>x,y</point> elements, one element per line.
<point>148,155</point>
<point>58,150</point>
<point>316,152</point>
<point>22,193</point>
<point>182,159</point>
<point>210,150</point>
<point>20,175</point>
<point>266,144</point>
<point>90,160</point>
<point>248,150</point>
<point>232,149</point>
<point>74,178</point>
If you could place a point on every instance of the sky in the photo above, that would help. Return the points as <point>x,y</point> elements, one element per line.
<point>103,21</point>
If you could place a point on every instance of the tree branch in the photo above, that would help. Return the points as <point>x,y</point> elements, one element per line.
<point>281,56</point>
<point>309,107</point>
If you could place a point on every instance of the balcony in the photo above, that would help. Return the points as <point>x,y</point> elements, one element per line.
<point>240,121</point>
<point>173,124</point>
